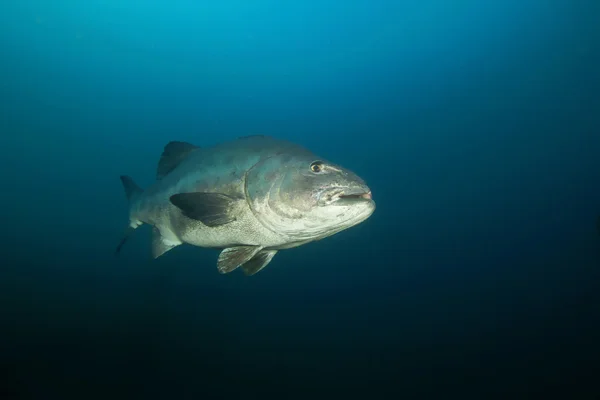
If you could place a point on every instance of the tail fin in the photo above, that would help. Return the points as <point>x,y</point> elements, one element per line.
<point>132,190</point>
<point>126,235</point>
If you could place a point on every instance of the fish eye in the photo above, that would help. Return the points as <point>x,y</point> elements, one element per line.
<point>316,167</point>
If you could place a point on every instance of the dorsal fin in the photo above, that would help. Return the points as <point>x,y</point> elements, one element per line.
<point>173,154</point>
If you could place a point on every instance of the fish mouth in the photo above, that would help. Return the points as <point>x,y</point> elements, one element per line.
<point>345,196</point>
<point>357,196</point>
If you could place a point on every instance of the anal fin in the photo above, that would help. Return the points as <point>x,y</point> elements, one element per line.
<point>159,245</point>
<point>232,257</point>
<point>258,262</point>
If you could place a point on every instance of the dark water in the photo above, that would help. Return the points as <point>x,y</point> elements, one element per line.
<point>475,123</point>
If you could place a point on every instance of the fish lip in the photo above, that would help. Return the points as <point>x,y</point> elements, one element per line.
<point>358,195</point>
<point>352,194</point>
<point>345,196</point>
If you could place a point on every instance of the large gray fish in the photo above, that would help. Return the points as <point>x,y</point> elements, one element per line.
<point>250,197</point>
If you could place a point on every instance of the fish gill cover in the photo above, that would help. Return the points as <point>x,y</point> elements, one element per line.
<point>473,123</point>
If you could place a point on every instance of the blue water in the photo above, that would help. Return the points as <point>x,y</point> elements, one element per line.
<point>475,123</point>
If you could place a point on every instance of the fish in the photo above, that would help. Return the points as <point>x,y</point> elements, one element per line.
<point>598,225</point>
<point>250,197</point>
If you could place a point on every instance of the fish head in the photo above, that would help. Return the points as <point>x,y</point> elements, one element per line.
<point>306,197</point>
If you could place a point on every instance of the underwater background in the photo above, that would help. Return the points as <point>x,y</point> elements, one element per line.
<point>475,123</point>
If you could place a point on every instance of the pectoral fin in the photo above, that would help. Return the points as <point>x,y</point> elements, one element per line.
<point>212,209</point>
<point>258,262</point>
<point>233,257</point>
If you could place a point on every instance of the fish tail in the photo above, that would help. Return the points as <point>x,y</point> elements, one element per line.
<point>132,192</point>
